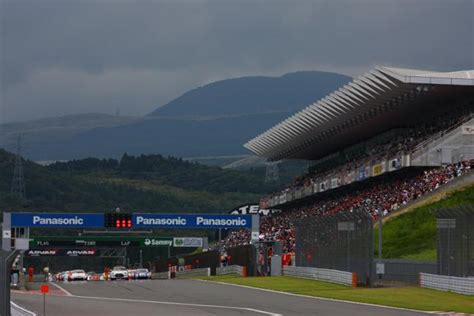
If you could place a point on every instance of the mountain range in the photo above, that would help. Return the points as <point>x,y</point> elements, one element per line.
<point>212,120</point>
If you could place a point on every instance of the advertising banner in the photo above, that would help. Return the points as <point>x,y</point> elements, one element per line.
<point>394,163</point>
<point>363,173</point>
<point>61,252</point>
<point>349,177</point>
<point>63,220</point>
<point>187,242</point>
<point>191,221</point>
<point>377,170</point>
<point>253,209</point>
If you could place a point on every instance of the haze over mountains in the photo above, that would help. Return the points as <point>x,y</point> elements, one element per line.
<point>213,120</point>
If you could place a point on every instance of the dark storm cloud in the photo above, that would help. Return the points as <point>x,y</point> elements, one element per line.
<point>61,57</point>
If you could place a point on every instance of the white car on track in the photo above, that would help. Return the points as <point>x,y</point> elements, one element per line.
<point>77,275</point>
<point>141,274</point>
<point>119,272</point>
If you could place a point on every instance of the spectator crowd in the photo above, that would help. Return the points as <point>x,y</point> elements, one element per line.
<point>380,195</point>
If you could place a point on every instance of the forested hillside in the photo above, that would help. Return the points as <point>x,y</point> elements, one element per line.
<point>150,183</point>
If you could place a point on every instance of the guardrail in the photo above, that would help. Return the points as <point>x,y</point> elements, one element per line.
<point>161,275</point>
<point>233,269</point>
<point>193,273</point>
<point>448,283</point>
<point>17,310</point>
<point>328,275</point>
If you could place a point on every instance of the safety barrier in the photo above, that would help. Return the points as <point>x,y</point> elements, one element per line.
<point>233,269</point>
<point>17,310</point>
<point>161,275</point>
<point>193,273</point>
<point>448,283</point>
<point>328,275</point>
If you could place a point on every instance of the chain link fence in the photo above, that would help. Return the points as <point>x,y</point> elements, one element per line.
<point>455,231</point>
<point>341,241</point>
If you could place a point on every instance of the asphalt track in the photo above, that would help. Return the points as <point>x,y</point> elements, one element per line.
<point>185,297</point>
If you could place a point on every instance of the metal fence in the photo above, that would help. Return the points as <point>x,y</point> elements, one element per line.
<point>341,241</point>
<point>455,233</point>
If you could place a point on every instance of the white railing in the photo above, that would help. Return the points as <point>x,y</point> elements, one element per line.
<point>448,283</point>
<point>160,275</point>
<point>439,136</point>
<point>203,272</point>
<point>328,275</point>
<point>233,269</point>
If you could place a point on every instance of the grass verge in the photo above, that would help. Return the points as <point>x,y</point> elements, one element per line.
<point>404,297</point>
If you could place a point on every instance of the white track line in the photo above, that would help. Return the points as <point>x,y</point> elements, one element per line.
<point>62,289</point>
<point>177,304</point>
<point>24,310</point>
<point>323,298</point>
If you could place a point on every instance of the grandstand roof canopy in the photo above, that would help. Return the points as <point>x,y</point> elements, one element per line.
<point>380,100</point>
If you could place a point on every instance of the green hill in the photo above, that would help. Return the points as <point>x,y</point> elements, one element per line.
<point>412,235</point>
<point>150,183</point>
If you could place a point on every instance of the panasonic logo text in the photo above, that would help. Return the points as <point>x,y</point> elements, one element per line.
<point>178,221</point>
<point>76,221</point>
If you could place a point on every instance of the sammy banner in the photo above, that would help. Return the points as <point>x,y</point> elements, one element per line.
<point>191,221</point>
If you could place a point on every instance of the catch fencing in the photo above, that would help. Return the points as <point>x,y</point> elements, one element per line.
<point>448,283</point>
<point>455,231</point>
<point>341,241</point>
<point>203,272</point>
<point>231,270</point>
<point>328,275</point>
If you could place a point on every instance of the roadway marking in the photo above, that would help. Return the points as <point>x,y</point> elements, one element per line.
<point>22,309</point>
<point>177,304</point>
<point>62,289</point>
<point>323,298</point>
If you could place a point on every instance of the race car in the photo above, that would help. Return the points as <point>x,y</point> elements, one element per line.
<point>93,276</point>
<point>76,275</point>
<point>142,274</point>
<point>119,272</point>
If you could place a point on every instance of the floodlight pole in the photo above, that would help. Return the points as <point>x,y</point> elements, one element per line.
<point>380,235</point>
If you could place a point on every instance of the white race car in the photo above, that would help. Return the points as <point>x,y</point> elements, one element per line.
<point>77,275</point>
<point>142,274</point>
<point>119,272</point>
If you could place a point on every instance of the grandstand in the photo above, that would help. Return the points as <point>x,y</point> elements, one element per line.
<point>377,143</point>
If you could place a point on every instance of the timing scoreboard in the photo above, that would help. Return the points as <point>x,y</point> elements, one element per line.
<point>131,220</point>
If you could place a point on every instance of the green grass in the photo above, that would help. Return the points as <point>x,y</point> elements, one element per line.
<point>412,235</point>
<point>405,297</point>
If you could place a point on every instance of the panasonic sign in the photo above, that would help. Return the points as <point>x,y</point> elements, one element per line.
<point>192,221</point>
<point>56,220</point>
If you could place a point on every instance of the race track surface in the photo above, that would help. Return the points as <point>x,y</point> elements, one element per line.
<point>185,297</point>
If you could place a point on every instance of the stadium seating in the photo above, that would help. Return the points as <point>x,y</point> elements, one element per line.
<point>383,194</point>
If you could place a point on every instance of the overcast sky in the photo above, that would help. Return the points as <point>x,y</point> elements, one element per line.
<point>76,56</point>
